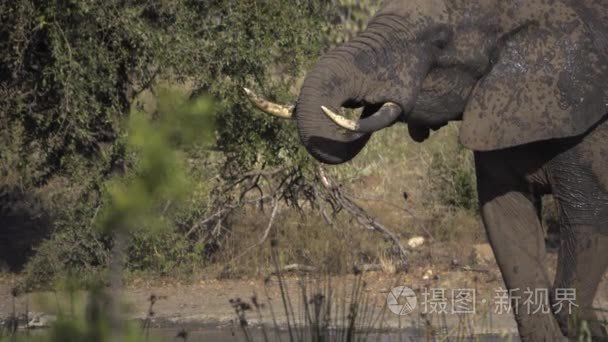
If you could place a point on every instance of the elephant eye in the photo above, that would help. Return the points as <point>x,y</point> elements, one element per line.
<point>440,43</point>
<point>441,37</point>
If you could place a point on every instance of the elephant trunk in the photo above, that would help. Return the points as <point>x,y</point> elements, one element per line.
<point>332,83</point>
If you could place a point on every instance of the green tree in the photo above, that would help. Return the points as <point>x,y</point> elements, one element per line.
<point>70,71</point>
<point>350,17</point>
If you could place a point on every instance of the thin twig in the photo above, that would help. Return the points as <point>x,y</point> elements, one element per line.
<point>381,200</point>
<point>264,236</point>
<point>224,210</point>
<point>270,172</point>
<point>357,212</point>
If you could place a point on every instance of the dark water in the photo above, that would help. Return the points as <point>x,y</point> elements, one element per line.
<point>226,334</point>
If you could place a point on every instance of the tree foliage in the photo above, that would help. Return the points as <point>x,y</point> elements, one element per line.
<point>264,45</point>
<point>71,71</point>
<point>350,17</point>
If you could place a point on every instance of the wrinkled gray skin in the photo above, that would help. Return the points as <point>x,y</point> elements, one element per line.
<point>529,80</point>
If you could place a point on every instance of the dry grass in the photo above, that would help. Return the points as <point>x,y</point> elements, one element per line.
<point>390,179</point>
<point>304,240</point>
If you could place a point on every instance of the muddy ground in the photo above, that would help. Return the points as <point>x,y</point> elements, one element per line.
<point>201,304</point>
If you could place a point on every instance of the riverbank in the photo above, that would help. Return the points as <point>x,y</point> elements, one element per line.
<point>208,305</point>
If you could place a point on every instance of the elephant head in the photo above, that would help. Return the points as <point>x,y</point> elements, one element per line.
<point>513,71</point>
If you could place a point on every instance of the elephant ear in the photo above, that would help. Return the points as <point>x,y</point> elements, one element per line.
<point>543,85</point>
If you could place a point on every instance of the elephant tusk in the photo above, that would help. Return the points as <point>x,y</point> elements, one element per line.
<point>281,111</point>
<point>384,117</point>
<point>341,121</point>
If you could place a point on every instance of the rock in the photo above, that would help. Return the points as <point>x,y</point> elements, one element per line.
<point>40,320</point>
<point>415,242</point>
<point>299,268</point>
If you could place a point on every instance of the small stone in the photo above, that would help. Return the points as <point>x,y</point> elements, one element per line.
<point>428,274</point>
<point>415,242</point>
<point>41,320</point>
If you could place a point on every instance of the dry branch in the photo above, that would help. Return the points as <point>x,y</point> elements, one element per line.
<point>357,212</point>
<point>296,268</point>
<point>264,236</point>
<point>289,186</point>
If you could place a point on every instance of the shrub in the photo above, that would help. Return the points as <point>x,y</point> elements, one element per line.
<point>453,177</point>
<point>71,71</point>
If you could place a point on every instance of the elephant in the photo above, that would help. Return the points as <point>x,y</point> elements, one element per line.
<point>528,81</point>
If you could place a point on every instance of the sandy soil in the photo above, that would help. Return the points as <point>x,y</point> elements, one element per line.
<point>206,303</point>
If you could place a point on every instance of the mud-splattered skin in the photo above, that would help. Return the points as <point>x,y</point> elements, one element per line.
<point>529,80</point>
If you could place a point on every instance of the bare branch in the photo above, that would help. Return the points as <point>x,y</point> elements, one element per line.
<point>357,212</point>
<point>269,172</point>
<point>295,268</point>
<point>381,200</point>
<point>327,197</point>
<point>221,212</point>
<point>264,236</point>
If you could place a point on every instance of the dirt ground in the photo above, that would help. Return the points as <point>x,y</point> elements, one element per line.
<point>206,303</point>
